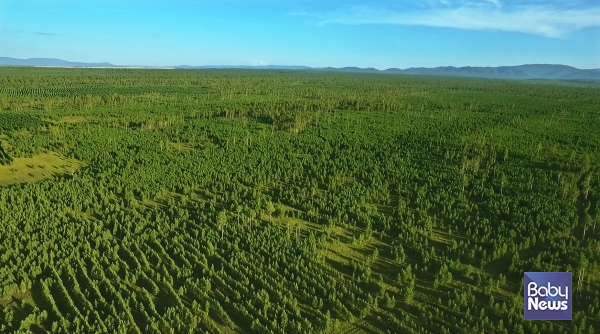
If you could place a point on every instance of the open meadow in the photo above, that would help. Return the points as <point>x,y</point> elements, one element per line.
<point>235,201</point>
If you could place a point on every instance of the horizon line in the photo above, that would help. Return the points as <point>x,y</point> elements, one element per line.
<point>83,65</point>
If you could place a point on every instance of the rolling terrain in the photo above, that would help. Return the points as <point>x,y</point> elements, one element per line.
<point>520,72</point>
<point>286,201</point>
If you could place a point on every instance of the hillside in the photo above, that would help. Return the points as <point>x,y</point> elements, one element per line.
<point>534,71</point>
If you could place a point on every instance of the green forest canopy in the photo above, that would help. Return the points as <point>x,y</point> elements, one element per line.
<point>294,202</point>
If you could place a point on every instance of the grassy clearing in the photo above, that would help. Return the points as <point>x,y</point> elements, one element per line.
<point>16,299</point>
<point>40,167</point>
<point>181,147</point>
<point>67,120</point>
<point>201,143</point>
<point>72,119</point>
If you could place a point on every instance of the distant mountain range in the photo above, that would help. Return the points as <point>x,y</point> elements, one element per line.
<point>6,61</point>
<point>256,67</point>
<point>532,71</point>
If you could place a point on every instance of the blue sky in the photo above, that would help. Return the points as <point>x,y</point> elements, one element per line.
<point>380,34</point>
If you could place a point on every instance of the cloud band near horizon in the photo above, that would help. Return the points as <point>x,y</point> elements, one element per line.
<point>550,21</point>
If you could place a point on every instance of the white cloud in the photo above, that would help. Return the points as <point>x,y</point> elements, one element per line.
<point>259,62</point>
<point>496,3</point>
<point>547,21</point>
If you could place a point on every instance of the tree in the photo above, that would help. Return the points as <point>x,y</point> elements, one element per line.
<point>281,210</point>
<point>390,301</point>
<point>269,208</point>
<point>238,210</point>
<point>586,222</point>
<point>581,267</point>
<point>313,192</point>
<point>531,180</point>
<point>586,163</point>
<point>464,179</point>
<point>409,291</point>
<point>586,185</point>
<point>596,216</point>
<point>222,221</point>
<point>5,158</point>
<point>252,214</point>
<point>503,182</point>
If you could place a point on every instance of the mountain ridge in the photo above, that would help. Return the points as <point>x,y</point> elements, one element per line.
<point>525,71</point>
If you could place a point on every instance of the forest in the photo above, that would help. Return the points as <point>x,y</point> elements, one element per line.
<point>271,201</point>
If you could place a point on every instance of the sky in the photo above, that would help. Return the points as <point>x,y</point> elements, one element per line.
<point>318,33</point>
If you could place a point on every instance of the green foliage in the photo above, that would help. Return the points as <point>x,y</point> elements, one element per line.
<point>17,121</point>
<point>295,202</point>
<point>5,158</point>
